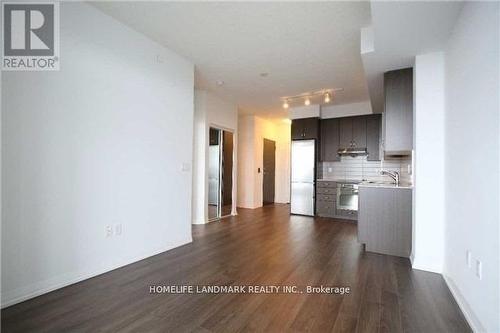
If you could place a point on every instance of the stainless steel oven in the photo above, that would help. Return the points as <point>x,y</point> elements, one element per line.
<point>347,196</point>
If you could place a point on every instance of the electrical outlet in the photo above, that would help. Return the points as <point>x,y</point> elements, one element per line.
<point>118,229</point>
<point>109,231</point>
<point>468,258</point>
<point>479,269</point>
<point>329,169</point>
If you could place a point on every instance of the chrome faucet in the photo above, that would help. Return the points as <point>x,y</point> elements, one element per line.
<point>393,174</point>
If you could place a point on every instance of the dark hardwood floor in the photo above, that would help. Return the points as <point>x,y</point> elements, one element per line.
<point>265,246</point>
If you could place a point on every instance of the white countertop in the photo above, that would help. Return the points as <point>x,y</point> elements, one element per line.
<point>343,180</point>
<point>385,185</point>
<point>367,183</point>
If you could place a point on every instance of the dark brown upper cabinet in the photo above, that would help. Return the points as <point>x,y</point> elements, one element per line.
<point>373,125</point>
<point>398,112</point>
<point>306,128</point>
<point>330,140</point>
<point>353,132</point>
<point>345,129</point>
<point>350,132</point>
<point>359,132</point>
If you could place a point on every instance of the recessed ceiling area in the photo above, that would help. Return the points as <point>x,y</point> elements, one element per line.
<point>400,31</point>
<point>300,46</point>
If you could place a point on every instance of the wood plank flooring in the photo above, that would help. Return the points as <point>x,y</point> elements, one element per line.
<point>265,246</point>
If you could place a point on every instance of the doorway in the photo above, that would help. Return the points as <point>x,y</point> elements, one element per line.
<point>227,173</point>
<point>220,173</point>
<point>268,169</point>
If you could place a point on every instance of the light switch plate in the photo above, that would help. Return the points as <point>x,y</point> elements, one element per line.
<point>118,229</point>
<point>109,231</point>
<point>468,258</point>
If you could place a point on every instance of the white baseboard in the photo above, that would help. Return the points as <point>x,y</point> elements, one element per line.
<point>199,221</point>
<point>469,315</point>
<point>416,264</point>
<point>36,289</point>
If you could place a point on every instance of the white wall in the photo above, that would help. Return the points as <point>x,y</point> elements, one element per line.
<point>253,131</point>
<point>428,192</point>
<point>246,162</point>
<point>346,110</point>
<point>472,162</point>
<point>210,111</point>
<point>200,172</point>
<point>100,142</point>
<point>309,111</point>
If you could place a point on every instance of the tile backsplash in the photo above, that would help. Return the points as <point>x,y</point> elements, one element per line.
<point>358,168</point>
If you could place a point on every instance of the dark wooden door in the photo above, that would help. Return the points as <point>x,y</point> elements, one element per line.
<point>269,165</point>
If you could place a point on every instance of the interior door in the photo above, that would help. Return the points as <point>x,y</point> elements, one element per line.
<point>227,173</point>
<point>214,173</point>
<point>269,166</point>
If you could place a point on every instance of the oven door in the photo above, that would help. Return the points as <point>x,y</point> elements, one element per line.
<point>347,196</point>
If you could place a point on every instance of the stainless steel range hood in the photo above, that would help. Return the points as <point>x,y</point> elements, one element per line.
<point>352,151</point>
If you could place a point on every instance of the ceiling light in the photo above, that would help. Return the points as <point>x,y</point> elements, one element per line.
<point>327,97</point>
<point>219,82</point>
<point>327,93</point>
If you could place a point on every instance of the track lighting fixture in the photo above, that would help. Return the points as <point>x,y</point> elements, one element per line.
<point>306,97</point>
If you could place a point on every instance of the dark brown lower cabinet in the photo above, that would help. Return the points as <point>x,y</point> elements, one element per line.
<point>326,202</point>
<point>384,223</point>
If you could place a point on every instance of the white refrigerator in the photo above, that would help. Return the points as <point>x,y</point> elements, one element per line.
<point>302,180</point>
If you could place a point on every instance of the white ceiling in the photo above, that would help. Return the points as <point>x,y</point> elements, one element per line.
<point>304,46</point>
<point>402,30</point>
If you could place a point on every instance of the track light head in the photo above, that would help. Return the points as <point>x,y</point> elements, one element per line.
<point>327,97</point>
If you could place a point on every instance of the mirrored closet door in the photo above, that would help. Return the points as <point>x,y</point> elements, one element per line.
<point>220,173</point>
